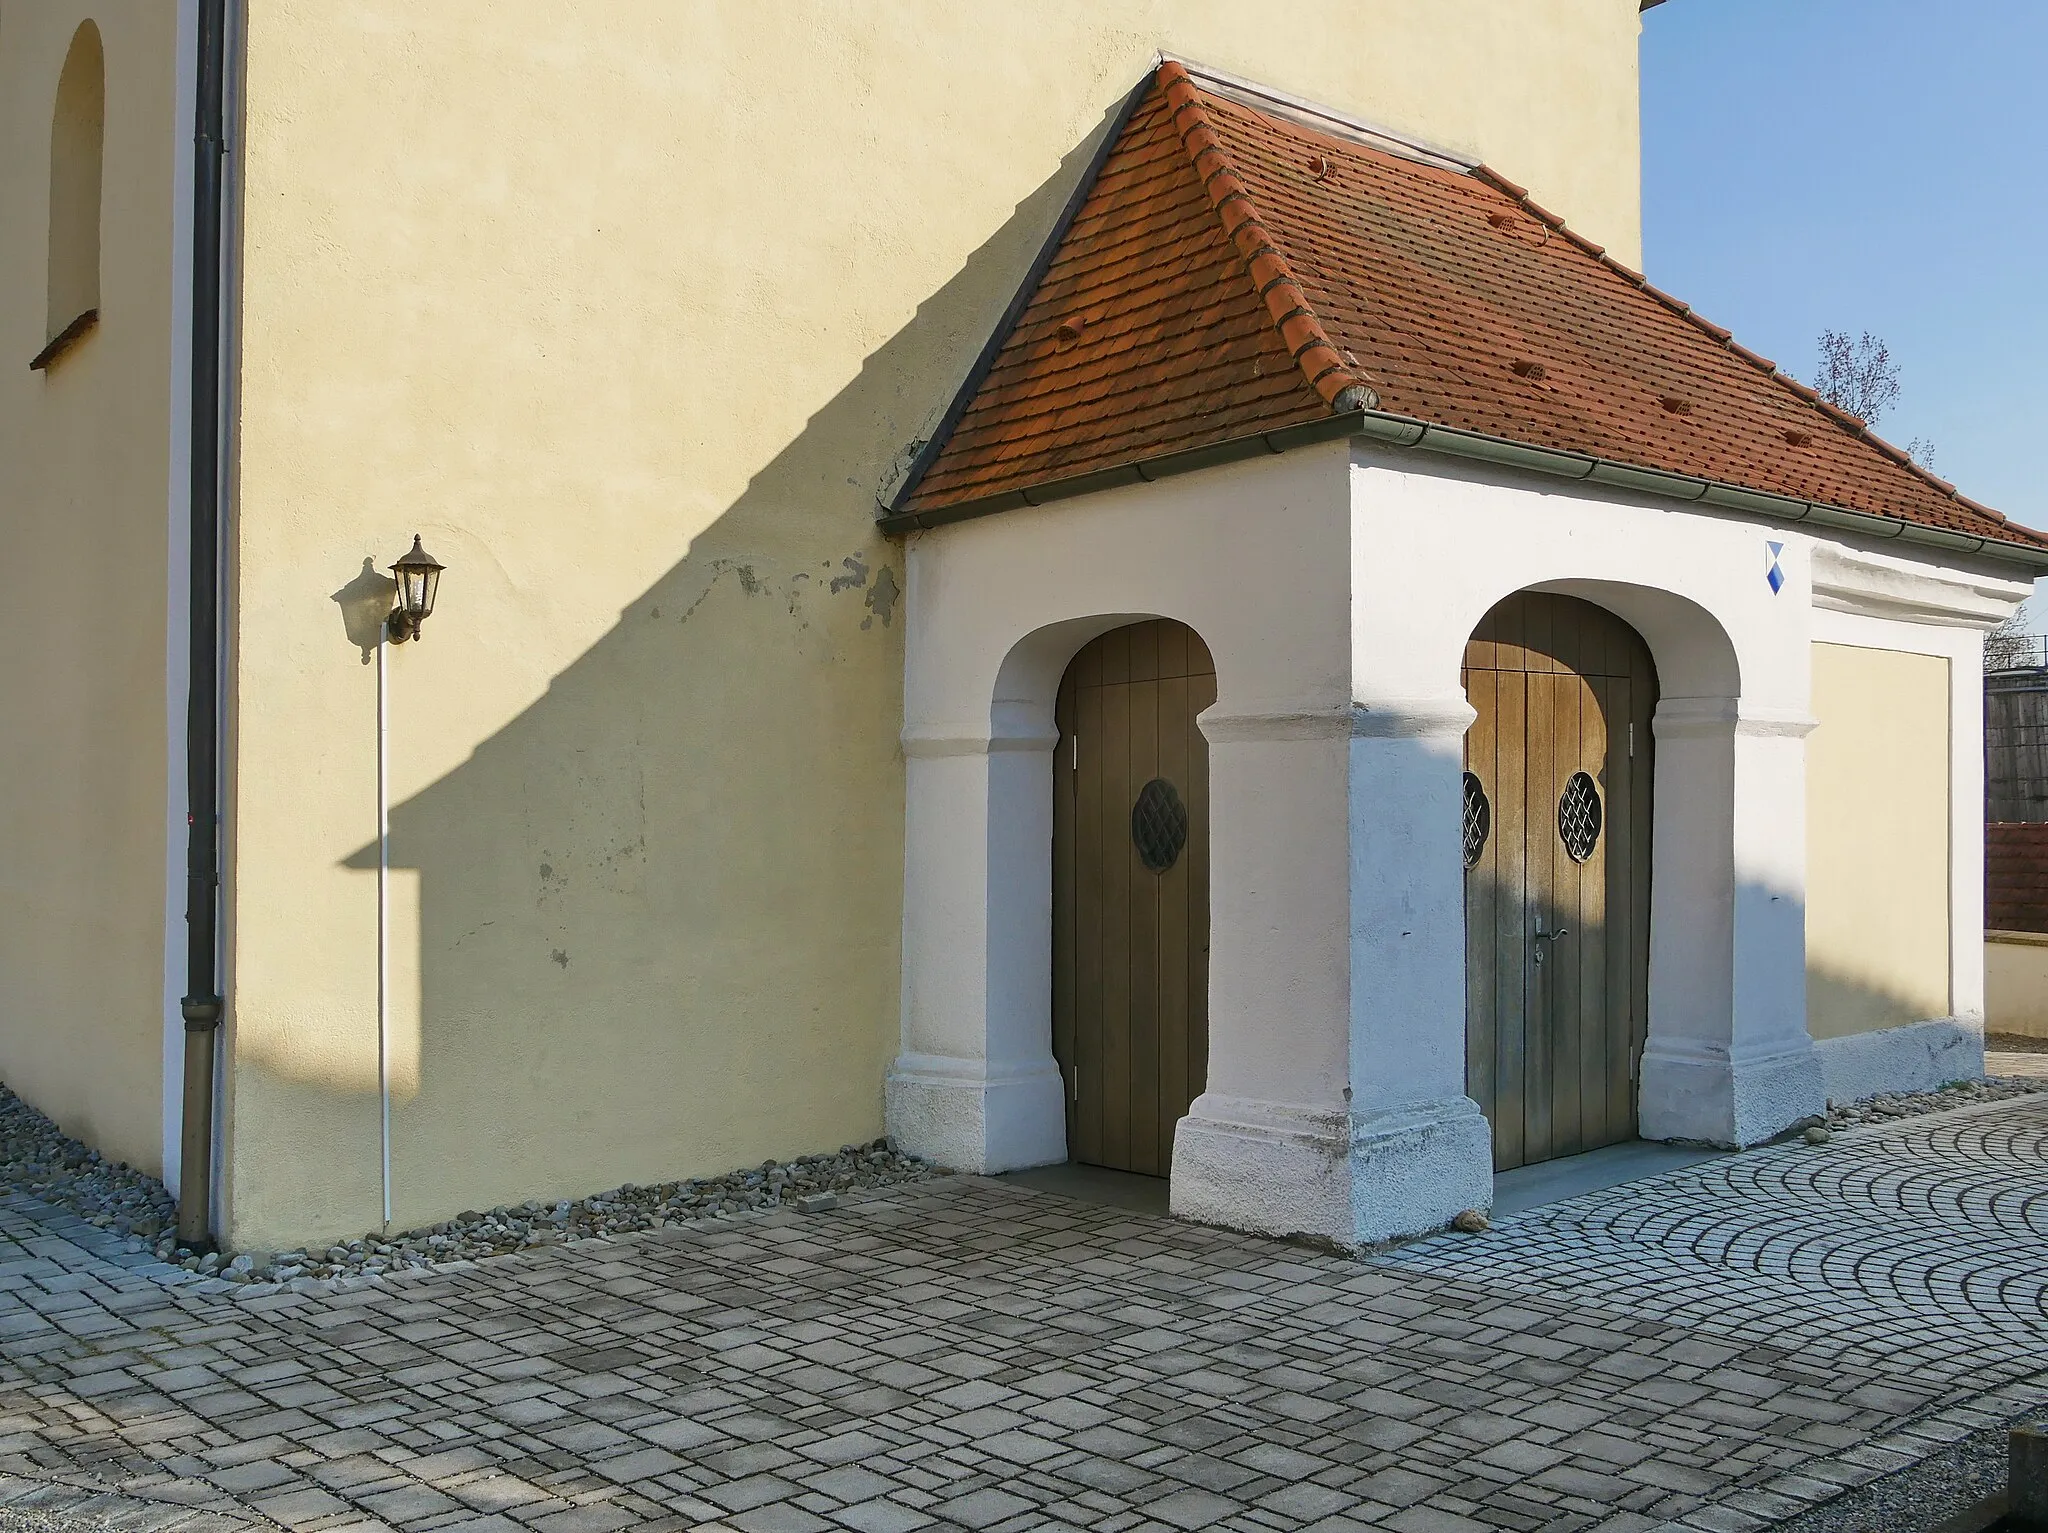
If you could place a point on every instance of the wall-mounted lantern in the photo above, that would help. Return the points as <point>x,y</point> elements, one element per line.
<point>419,576</point>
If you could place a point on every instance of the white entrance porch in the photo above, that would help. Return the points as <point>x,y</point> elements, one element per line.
<point>1336,588</point>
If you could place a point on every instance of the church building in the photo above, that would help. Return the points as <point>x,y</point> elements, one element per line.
<point>606,592</point>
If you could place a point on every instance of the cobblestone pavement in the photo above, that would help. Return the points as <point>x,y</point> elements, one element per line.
<point>1711,1350</point>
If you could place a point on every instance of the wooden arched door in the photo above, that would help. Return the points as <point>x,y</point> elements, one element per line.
<point>1131,892</point>
<point>1557,874</point>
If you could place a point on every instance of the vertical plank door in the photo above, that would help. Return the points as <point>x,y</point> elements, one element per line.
<point>1557,869</point>
<point>1131,892</point>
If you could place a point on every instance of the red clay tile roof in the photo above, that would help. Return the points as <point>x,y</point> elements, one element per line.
<point>2015,877</point>
<point>1233,270</point>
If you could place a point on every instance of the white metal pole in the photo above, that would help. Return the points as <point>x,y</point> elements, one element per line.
<point>383,940</point>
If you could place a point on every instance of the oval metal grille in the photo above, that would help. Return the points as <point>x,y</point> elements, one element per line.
<point>1578,816</point>
<point>1478,818</point>
<point>1159,825</point>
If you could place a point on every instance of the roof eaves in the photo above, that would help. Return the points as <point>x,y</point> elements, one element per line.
<point>1185,460</point>
<point>1854,425</point>
<point>1388,430</point>
<point>1404,431</point>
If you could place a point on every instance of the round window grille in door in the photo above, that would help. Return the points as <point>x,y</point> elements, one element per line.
<point>1578,816</point>
<point>1478,818</point>
<point>1159,824</point>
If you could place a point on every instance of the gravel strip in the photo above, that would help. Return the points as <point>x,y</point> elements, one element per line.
<point>37,1159</point>
<point>1922,1497</point>
<point>1910,1104</point>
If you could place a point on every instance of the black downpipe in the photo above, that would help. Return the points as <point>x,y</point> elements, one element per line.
<point>202,1003</point>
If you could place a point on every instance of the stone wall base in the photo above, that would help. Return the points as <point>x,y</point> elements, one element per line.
<point>1920,1056</point>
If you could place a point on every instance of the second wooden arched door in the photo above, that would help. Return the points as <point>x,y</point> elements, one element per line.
<point>1557,874</point>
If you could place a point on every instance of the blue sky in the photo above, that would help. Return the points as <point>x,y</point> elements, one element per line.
<point>1868,165</point>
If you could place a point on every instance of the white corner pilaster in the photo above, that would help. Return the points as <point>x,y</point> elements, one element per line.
<point>975,1086</point>
<point>1728,1059</point>
<point>1966,834</point>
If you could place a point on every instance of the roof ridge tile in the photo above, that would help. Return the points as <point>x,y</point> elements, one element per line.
<point>1272,277</point>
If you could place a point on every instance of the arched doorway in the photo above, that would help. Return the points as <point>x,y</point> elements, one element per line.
<point>1131,892</point>
<point>1558,777</point>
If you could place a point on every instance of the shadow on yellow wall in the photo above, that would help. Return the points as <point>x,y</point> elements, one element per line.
<point>1839,1005</point>
<point>652,926</point>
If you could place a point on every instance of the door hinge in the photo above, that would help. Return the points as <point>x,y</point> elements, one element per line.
<point>1075,741</point>
<point>1631,739</point>
<point>1077,1083</point>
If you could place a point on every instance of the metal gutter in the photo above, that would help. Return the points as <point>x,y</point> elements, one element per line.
<point>1388,430</point>
<point>1324,428</point>
<point>202,1004</point>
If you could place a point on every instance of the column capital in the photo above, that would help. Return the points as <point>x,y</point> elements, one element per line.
<point>1440,716</point>
<point>1433,716</point>
<point>930,740</point>
<point>1685,718</point>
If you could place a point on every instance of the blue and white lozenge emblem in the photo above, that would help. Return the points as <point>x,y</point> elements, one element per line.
<point>1772,572</point>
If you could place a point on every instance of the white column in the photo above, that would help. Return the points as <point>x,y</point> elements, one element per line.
<point>1335,1105</point>
<point>1728,1060</point>
<point>975,1086</point>
<point>1421,1150</point>
<point>1267,1146</point>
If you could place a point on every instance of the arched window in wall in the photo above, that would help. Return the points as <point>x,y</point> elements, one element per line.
<point>77,133</point>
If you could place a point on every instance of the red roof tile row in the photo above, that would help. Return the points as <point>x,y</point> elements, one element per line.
<point>1233,270</point>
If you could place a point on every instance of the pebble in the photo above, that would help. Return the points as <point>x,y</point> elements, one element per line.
<point>1472,1222</point>
<point>37,1159</point>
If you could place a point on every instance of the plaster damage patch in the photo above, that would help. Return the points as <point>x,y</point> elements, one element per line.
<point>883,598</point>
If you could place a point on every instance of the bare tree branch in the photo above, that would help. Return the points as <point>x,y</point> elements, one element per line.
<point>1858,376</point>
<point>2010,646</point>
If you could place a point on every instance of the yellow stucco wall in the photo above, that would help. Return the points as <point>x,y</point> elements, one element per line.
<point>1877,841</point>
<point>2016,983</point>
<point>631,309</point>
<point>84,485</point>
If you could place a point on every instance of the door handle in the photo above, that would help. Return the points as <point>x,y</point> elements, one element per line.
<point>1542,936</point>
